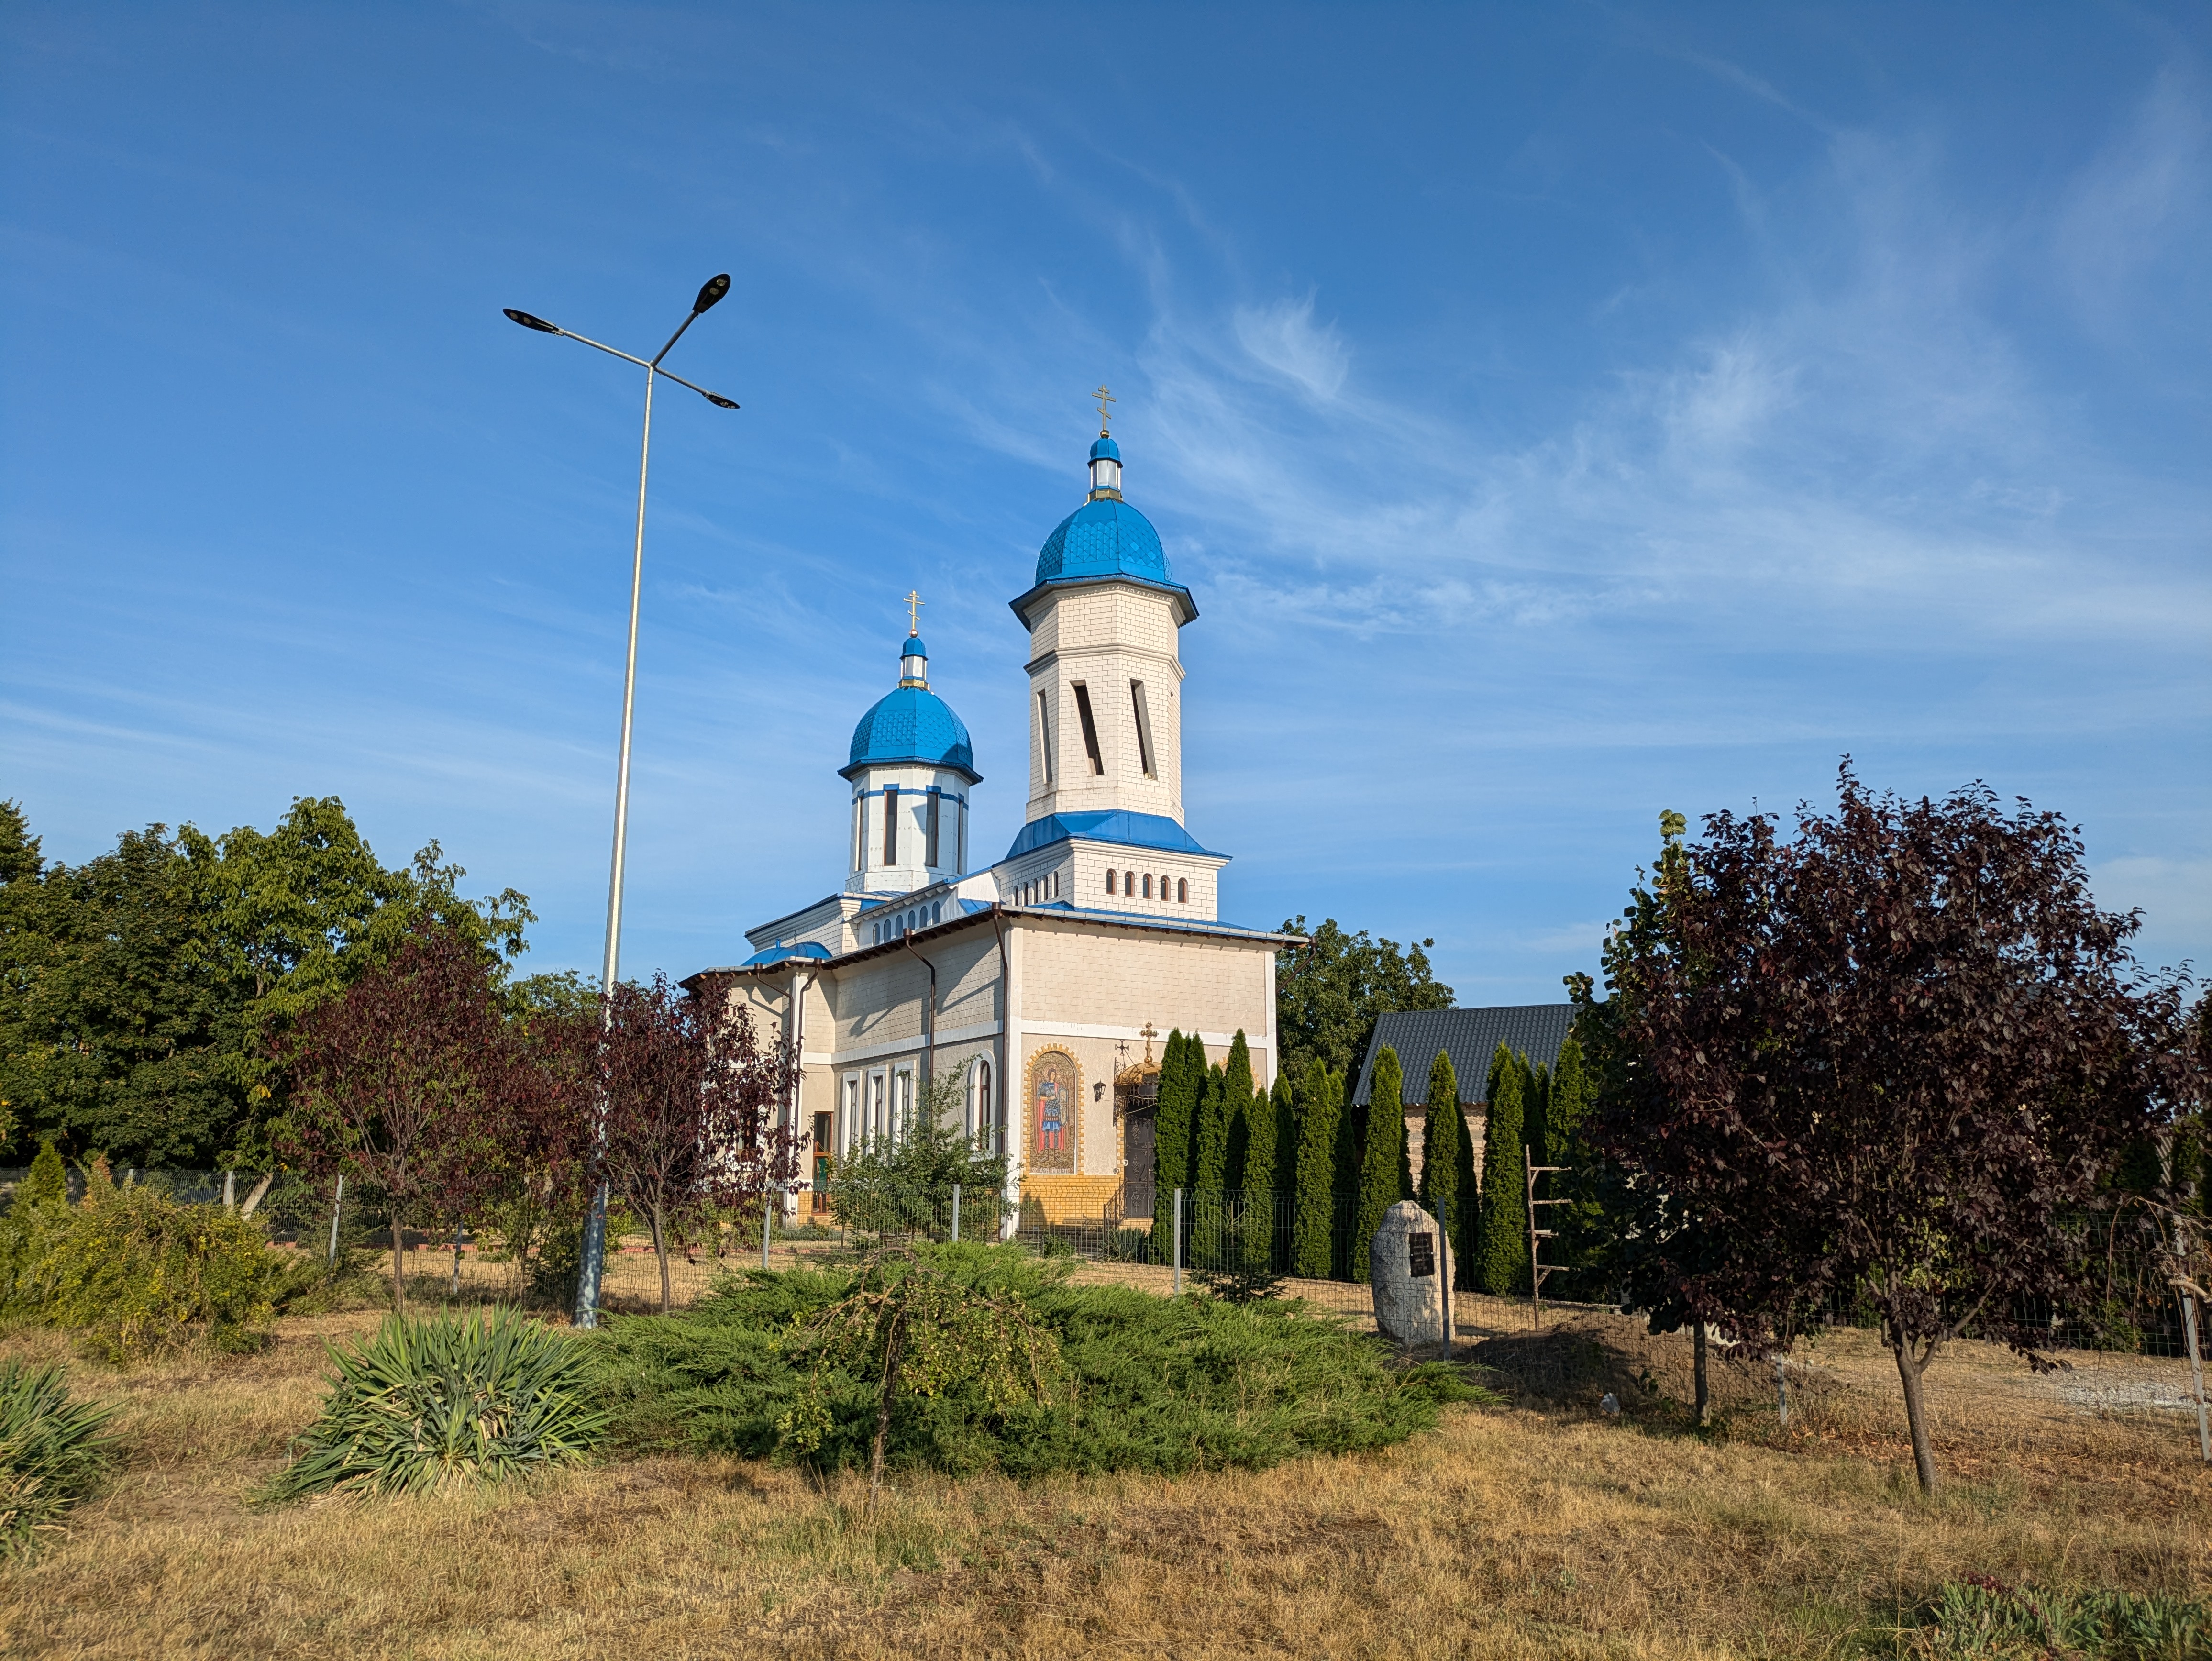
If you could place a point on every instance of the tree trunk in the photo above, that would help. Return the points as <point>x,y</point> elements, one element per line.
<point>884,1415</point>
<point>1909,1374</point>
<point>1699,1384</point>
<point>398,1266</point>
<point>457,1259</point>
<point>661,1250</point>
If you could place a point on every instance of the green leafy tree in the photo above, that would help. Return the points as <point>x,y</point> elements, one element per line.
<point>147,990</point>
<point>1328,994</point>
<point>1503,1263</point>
<point>1382,1172</point>
<point>1320,1104</point>
<point>923,1333</point>
<point>907,1184</point>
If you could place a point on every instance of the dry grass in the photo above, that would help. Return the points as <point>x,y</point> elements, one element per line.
<point>1539,1530</point>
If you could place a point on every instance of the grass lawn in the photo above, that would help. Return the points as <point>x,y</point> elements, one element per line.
<point>1540,1528</point>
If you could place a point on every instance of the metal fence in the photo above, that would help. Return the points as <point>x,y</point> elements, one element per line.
<point>1243,1244</point>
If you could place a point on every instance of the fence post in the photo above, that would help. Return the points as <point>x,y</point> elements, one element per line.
<point>1178,1243</point>
<point>956,1214</point>
<point>337,1205</point>
<point>768,1223</point>
<point>1782,1392</point>
<point>457,1258</point>
<point>230,1191</point>
<point>2196,1367</point>
<point>1444,1281</point>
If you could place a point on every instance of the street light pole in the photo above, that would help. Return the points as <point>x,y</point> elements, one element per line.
<point>595,1227</point>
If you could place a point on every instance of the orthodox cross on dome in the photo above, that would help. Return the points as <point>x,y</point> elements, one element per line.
<point>914,605</point>
<point>1104,398</point>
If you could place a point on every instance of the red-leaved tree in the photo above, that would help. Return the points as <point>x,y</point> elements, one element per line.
<point>1889,1059</point>
<point>691,1096</point>
<point>406,1079</point>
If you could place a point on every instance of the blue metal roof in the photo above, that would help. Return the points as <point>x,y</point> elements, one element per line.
<point>811,951</point>
<point>1105,450</point>
<point>1103,539</point>
<point>1117,825</point>
<point>912,724</point>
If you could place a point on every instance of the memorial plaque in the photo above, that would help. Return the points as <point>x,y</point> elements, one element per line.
<point>1421,1255</point>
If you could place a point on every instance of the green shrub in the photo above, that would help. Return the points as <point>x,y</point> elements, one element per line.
<point>134,1271</point>
<point>52,1453</point>
<point>1152,1384</point>
<point>1981,1618</point>
<point>446,1399</point>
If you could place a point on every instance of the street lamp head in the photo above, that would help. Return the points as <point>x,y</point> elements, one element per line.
<point>530,322</point>
<point>715,289</point>
<point>720,402</point>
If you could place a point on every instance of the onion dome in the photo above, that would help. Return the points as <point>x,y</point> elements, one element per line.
<point>1105,540</point>
<point>911,724</point>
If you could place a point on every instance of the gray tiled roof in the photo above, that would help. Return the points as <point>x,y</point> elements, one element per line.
<point>1470,1038</point>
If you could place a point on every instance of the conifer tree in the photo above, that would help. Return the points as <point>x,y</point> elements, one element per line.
<point>1237,1113</point>
<point>1535,1112</point>
<point>1171,1133</point>
<point>1384,1163</point>
<point>1268,1117</point>
<point>1503,1259</point>
<point>1312,1230</point>
<point>1580,1221</point>
<point>1440,1144</point>
<point>1209,1172</point>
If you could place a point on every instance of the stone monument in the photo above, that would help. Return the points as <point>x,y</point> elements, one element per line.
<point>1410,1267</point>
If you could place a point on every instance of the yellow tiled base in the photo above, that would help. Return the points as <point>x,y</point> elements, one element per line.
<point>1070,1199</point>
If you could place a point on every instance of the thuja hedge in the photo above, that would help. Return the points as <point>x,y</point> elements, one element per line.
<point>1147,1384</point>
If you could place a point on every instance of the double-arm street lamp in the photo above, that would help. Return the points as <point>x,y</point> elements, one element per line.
<point>595,1230</point>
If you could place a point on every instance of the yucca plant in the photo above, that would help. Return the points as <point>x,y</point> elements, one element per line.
<point>443,1400</point>
<point>52,1453</point>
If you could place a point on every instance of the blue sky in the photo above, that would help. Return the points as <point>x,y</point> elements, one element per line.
<point>1560,413</point>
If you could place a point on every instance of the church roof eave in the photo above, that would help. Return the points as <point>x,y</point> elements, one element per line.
<point>1120,826</point>
<point>1186,607</point>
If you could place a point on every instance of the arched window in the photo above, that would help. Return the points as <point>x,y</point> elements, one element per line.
<point>1109,882</point>
<point>1128,883</point>
<point>936,911</point>
<point>1148,884</point>
<point>1183,890</point>
<point>982,1123</point>
<point>1166,887</point>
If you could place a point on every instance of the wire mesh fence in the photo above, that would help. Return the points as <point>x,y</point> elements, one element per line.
<point>1240,1244</point>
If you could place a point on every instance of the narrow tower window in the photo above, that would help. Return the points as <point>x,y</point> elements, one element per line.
<point>1110,881</point>
<point>891,824</point>
<point>1044,737</point>
<point>1182,890</point>
<point>860,831</point>
<point>1148,884</point>
<point>1128,884</point>
<point>1144,729</point>
<point>935,798</point>
<point>1090,726</point>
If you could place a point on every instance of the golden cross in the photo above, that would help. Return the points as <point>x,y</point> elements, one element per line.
<point>1104,398</point>
<point>914,603</point>
<point>1148,1032</point>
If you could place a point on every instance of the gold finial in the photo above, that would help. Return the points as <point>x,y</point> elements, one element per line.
<point>1104,398</point>
<point>914,605</point>
<point>1148,1032</point>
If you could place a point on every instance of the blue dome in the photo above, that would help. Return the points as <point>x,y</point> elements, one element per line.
<point>1103,539</point>
<point>1105,450</point>
<point>911,647</point>
<point>912,724</point>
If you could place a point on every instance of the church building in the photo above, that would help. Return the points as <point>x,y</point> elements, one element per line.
<point>1039,980</point>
